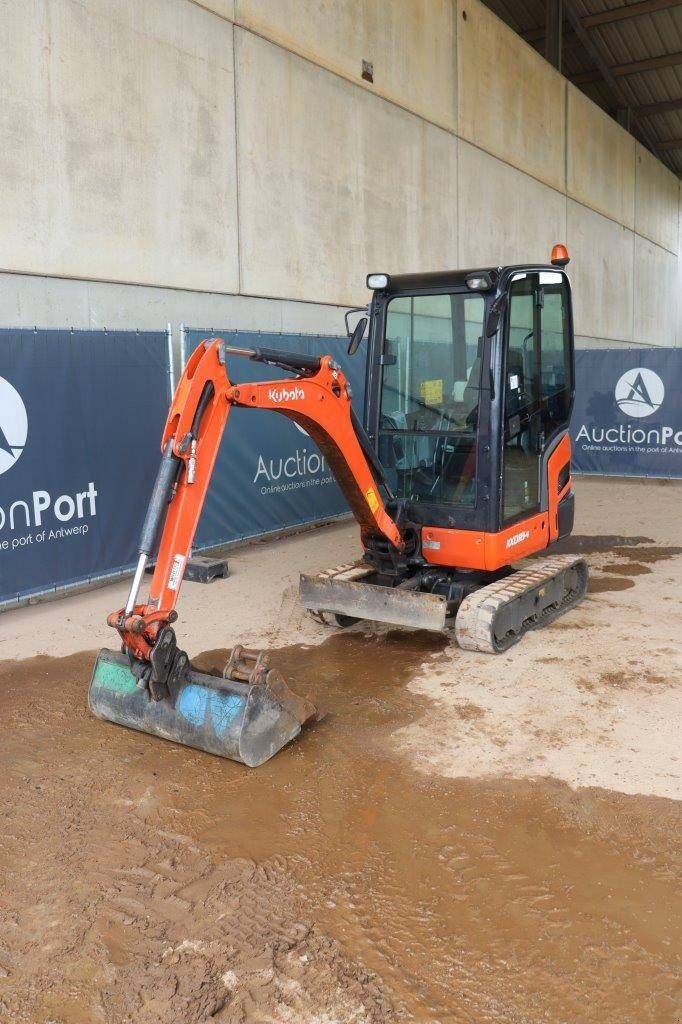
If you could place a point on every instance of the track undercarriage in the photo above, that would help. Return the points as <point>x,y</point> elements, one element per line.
<point>485,611</point>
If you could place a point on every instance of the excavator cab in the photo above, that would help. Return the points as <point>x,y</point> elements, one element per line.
<point>461,468</point>
<point>469,390</point>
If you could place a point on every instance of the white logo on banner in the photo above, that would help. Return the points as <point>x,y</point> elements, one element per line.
<point>639,392</point>
<point>13,425</point>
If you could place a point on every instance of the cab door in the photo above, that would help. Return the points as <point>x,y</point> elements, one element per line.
<point>538,385</point>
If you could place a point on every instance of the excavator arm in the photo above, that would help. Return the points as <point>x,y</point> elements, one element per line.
<point>317,398</point>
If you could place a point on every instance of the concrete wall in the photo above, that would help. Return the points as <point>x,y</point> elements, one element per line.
<point>656,200</point>
<point>31,300</point>
<point>117,159</point>
<point>333,181</point>
<point>600,160</point>
<point>602,273</point>
<point>410,44</point>
<point>214,159</point>
<point>656,301</point>
<point>511,101</point>
<point>504,214</point>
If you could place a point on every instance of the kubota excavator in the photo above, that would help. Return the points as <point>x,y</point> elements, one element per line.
<point>462,466</point>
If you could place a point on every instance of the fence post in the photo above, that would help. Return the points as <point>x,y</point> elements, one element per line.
<point>171,367</point>
<point>183,347</point>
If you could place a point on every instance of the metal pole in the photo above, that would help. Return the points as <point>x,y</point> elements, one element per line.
<point>554,18</point>
<point>183,347</point>
<point>171,367</point>
<point>183,363</point>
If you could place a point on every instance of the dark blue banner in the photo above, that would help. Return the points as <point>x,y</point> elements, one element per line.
<point>81,415</point>
<point>627,418</point>
<point>269,475</point>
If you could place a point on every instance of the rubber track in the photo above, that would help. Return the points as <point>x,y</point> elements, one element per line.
<point>475,621</point>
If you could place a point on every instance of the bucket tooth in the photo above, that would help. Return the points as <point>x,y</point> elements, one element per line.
<point>254,667</point>
<point>246,716</point>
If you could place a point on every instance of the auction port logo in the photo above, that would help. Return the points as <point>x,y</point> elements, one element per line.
<point>13,425</point>
<point>639,392</point>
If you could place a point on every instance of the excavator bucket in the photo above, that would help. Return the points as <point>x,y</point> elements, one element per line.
<point>248,715</point>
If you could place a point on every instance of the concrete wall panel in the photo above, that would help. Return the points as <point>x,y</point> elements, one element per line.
<point>334,182</point>
<point>511,101</point>
<point>592,343</point>
<point>504,216</point>
<point>656,302</point>
<point>225,8</point>
<point>600,160</point>
<point>656,200</point>
<point>57,302</point>
<point>118,143</point>
<point>602,274</point>
<point>411,44</point>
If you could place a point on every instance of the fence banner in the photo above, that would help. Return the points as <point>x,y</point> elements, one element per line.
<point>269,475</point>
<point>627,418</point>
<point>81,415</point>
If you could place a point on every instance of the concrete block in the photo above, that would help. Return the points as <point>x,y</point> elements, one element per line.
<point>118,160</point>
<point>656,200</point>
<point>656,299</point>
<point>334,182</point>
<point>600,160</point>
<point>504,215</point>
<point>602,274</point>
<point>411,46</point>
<point>511,101</point>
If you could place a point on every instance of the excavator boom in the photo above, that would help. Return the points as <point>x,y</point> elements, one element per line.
<point>318,399</point>
<point>250,713</point>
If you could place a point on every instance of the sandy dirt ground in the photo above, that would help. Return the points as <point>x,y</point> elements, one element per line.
<point>462,838</point>
<point>594,700</point>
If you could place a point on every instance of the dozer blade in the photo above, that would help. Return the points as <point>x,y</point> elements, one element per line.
<point>247,716</point>
<point>342,591</point>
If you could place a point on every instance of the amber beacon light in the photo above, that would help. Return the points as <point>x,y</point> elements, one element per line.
<point>559,257</point>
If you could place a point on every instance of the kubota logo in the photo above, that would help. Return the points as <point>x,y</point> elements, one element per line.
<point>13,425</point>
<point>517,538</point>
<point>286,394</point>
<point>639,392</point>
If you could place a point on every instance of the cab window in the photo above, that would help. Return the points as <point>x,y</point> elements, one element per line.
<point>537,384</point>
<point>430,394</point>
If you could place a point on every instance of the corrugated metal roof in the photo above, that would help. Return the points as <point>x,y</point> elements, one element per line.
<point>645,34</point>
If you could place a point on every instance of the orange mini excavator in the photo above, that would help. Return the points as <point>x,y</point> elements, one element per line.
<point>462,466</point>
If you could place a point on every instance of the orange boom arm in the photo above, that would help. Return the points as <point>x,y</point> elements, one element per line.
<point>317,399</point>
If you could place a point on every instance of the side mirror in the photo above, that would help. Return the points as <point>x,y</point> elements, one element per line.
<point>357,335</point>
